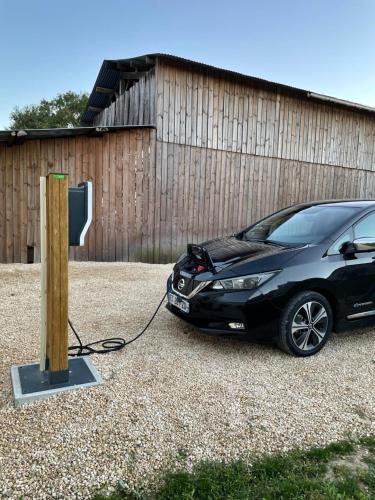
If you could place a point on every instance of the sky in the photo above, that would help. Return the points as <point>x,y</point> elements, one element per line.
<point>51,46</point>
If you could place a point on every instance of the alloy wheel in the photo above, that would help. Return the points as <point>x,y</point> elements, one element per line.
<point>309,325</point>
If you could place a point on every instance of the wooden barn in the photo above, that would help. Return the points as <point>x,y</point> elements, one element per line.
<point>180,152</point>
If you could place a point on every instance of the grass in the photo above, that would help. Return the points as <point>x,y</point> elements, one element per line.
<point>343,470</point>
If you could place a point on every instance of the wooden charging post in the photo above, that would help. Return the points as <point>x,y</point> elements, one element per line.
<point>57,244</point>
<point>65,216</point>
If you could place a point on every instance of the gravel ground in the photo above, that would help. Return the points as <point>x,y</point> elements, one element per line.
<point>174,393</point>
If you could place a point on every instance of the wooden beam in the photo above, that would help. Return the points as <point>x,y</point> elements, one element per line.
<point>94,108</point>
<point>57,277</point>
<point>128,66</point>
<point>138,64</point>
<point>104,90</point>
<point>117,66</point>
<point>132,75</point>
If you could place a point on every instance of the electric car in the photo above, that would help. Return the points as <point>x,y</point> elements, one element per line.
<point>292,277</point>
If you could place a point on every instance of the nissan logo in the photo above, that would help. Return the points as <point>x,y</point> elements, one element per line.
<point>181,284</point>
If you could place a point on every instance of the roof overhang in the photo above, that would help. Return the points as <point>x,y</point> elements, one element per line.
<point>16,137</point>
<point>107,84</point>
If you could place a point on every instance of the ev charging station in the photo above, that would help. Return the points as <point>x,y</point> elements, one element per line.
<point>65,217</point>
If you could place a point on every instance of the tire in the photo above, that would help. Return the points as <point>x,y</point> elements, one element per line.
<point>305,324</point>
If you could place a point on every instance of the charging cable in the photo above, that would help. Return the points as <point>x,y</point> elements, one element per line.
<point>106,345</point>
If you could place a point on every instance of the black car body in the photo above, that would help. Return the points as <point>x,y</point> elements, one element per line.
<point>251,284</point>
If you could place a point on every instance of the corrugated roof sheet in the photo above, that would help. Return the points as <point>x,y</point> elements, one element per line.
<point>11,137</point>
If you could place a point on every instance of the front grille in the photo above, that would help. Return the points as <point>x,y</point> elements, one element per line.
<point>189,284</point>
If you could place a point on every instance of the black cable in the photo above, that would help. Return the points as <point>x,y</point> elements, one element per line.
<point>107,345</point>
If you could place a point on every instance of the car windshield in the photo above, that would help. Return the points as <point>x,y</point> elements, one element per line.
<point>301,226</point>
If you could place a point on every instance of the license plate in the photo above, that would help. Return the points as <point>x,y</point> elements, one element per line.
<point>178,302</point>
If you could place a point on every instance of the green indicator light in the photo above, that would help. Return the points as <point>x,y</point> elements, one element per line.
<point>59,176</point>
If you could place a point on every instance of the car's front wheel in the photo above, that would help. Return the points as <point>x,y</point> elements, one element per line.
<point>305,325</point>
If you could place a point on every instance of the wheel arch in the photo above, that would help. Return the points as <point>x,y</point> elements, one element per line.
<point>320,288</point>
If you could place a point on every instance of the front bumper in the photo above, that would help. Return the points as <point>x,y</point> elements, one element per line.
<point>212,311</point>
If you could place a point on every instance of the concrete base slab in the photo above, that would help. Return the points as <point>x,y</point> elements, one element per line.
<point>30,384</point>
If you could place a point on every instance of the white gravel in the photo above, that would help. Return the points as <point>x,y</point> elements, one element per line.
<point>173,393</point>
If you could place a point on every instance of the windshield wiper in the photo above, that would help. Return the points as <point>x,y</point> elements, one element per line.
<point>266,242</point>
<point>254,239</point>
<point>276,243</point>
<point>269,242</point>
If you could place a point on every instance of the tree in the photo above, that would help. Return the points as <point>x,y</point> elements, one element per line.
<point>64,110</point>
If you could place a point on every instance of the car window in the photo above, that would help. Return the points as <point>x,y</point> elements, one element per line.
<point>344,238</point>
<point>365,228</point>
<point>301,226</point>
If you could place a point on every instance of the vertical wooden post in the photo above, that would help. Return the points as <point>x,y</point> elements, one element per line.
<point>57,277</point>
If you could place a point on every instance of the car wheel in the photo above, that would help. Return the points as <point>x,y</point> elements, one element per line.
<point>305,325</point>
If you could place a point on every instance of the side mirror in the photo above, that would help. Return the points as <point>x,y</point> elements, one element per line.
<point>358,245</point>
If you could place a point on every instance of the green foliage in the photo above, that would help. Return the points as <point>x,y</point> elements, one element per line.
<point>64,110</point>
<point>316,474</point>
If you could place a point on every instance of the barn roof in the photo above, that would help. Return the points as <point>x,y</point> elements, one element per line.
<point>112,71</point>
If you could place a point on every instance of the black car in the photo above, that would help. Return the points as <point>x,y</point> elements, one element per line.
<point>292,277</point>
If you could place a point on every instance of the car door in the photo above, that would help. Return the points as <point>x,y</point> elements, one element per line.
<point>360,273</point>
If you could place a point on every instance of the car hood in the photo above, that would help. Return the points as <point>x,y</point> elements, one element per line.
<point>224,251</point>
<point>231,256</point>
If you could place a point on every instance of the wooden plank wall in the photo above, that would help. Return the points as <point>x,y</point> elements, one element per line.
<point>205,193</point>
<point>198,109</point>
<point>135,106</point>
<point>122,168</point>
<point>151,198</point>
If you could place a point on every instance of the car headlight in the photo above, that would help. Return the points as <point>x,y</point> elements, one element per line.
<point>248,282</point>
